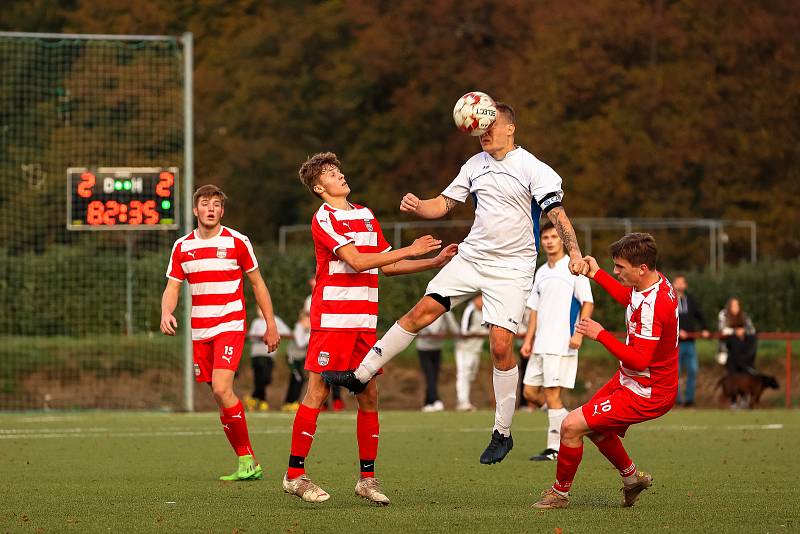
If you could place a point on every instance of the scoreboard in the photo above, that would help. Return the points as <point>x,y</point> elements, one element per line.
<point>122,198</point>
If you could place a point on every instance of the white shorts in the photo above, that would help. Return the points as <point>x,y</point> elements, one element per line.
<point>551,370</point>
<point>504,291</point>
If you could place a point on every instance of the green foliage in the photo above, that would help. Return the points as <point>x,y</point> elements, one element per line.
<point>769,292</point>
<point>70,291</point>
<point>647,109</point>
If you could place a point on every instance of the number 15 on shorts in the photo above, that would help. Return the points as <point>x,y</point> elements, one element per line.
<point>604,407</point>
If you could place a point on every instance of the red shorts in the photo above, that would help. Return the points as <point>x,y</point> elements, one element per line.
<point>330,350</point>
<point>221,352</point>
<point>614,408</point>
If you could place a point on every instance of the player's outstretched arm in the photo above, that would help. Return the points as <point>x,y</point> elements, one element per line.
<point>558,216</point>
<point>416,266</point>
<point>635,357</point>
<point>271,337</point>
<point>169,301</point>
<point>433,208</point>
<point>363,261</point>
<point>620,293</point>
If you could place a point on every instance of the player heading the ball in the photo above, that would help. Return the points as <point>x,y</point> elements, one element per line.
<point>510,188</point>
<point>211,259</point>
<point>350,249</point>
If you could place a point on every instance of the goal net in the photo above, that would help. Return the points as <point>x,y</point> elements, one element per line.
<point>82,272</point>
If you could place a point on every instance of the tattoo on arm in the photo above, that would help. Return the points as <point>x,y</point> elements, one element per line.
<point>449,204</point>
<point>564,228</point>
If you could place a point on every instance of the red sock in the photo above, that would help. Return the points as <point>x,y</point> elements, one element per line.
<point>612,448</point>
<point>367,431</point>
<point>569,458</point>
<point>303,430</point>
<point>235,426</point>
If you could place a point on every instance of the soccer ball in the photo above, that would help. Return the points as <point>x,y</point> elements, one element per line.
<point>474,113</point>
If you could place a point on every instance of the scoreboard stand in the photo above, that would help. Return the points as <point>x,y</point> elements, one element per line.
<point>130,199</point>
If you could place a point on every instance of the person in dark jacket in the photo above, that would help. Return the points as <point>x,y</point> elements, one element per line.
<point>690,320</point>
<point>739,336</point>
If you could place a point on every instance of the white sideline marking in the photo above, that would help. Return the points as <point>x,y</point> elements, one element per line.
<point>679,428</point>
<point>51,433</point>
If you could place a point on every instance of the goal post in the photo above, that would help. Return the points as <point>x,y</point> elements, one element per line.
<point>95,130</point>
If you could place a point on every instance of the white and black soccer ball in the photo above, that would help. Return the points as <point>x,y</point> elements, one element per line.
<point>474,113</point>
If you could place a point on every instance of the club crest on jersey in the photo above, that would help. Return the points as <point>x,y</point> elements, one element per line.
<point>323,358</point>
<point>222,252</point>
<point>368,224</point>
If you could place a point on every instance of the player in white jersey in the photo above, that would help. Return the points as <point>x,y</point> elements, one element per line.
<point>212,260</point>
<point>510,188</point>
<point>558,301</point>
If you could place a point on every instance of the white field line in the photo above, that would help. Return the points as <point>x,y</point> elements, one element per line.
<point>674,428</point>
<point>51,433</point>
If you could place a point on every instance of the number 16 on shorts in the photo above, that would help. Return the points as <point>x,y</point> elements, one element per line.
<point>603,407</point>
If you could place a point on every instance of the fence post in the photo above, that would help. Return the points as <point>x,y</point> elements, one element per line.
<point>788,387</point>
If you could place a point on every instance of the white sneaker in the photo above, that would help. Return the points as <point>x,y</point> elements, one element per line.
<point>465,407</point>
<point>437,406</point>
<point>305,489</point>
<point>369,488</point>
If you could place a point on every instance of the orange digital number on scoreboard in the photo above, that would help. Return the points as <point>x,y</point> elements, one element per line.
<point>121,197</point>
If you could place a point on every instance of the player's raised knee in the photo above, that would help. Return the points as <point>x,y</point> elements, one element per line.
<point>571,427</point>
<point>424,313</point>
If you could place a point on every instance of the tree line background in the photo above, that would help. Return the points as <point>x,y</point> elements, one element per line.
<point>646,108</point>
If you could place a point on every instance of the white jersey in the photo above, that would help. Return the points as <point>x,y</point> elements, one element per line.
<point>509,197</point>
<point>557,298</point>
<point>257,330</point>
<point>471,323</point>
<point>444,324</point>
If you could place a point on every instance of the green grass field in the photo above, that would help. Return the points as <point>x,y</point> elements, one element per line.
<point>715,471</point>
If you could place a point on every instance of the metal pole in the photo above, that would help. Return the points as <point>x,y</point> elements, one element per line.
<point>129,283</point>
<point>282,240</point>
<point>712,248</point>
<point>753,243</point>
<point>721,248</point>
<point>188,215</point>
<point>398,235</point>
<point>587,239</point>
<point>788,387</point>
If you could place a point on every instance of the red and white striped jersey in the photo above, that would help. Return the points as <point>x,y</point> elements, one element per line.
<point>213,267</point>
<point>343,298</point>
<point>652,328</point>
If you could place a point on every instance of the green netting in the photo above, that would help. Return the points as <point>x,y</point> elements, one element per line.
<point>80,310</point>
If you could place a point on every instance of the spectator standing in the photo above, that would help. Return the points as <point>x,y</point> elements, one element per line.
<point>296,358</point>
<point>262,361</point>
<point>690,320</point>
<point>468,352</point>
<point>429,350</point>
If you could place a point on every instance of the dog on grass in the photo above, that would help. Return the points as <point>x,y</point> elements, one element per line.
<point>745,386</point>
